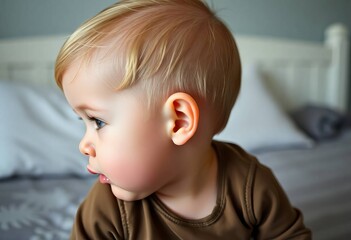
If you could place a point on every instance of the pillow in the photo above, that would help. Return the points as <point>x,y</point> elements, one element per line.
<point>39,133</point>
<point>319,122</point>
<point>257,123</point>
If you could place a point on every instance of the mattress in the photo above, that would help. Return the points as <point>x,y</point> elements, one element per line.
<point>318,181</point>
<point>40,208</point>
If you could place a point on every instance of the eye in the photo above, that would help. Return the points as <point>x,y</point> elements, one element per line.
<point>98,123</point>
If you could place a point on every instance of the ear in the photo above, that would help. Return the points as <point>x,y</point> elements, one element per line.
<point>182,114</point>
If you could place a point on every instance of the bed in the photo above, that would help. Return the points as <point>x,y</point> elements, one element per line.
<point>289,87</point>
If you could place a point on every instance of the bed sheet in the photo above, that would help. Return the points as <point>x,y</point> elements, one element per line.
<point>41,208</point>
<point>318,181</point>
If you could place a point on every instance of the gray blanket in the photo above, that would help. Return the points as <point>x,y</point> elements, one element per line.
<point>318,181</point>
<point>36,209</point>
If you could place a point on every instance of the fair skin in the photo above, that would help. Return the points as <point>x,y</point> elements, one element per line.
<point>137,152</point>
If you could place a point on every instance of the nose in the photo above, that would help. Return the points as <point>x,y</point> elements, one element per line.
<point>87,148</point>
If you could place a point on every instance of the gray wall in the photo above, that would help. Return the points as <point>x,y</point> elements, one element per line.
<point>20,18</point>
<point>300,19</point>
<point>305,19</point>
<point>284,18</point>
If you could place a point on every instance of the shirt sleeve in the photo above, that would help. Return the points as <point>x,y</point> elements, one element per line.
<point>98,217</point>
<point>274,217</point>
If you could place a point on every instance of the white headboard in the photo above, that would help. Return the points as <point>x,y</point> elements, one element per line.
<point>297,72</point>
<point>30,59</point>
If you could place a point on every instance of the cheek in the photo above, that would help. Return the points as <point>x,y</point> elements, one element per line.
<point>133,173</point>
<point>134,176</point>
<point>135,159</point>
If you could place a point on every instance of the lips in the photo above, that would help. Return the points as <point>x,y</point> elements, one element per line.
<point>91,171</point>
<point>103,179</point>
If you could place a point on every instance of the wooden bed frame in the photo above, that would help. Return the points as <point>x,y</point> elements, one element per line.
<point>297,72</point>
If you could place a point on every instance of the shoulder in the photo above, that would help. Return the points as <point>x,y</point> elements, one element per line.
<point>264,204</point>
<point>271,210</point>
<point>99,215</point>
<point>253,182</point>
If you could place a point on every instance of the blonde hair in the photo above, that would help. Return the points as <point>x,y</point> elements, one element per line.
<point>168,46</point>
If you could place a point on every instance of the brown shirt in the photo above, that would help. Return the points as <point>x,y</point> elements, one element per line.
<point>250,204</point>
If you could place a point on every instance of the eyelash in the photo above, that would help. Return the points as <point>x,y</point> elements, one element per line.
<point>97,122</point>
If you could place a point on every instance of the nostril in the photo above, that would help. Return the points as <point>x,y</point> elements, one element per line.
<point>88,151</point>
<point>86,147</point>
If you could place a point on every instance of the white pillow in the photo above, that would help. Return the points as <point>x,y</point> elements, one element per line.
<point>257,123</point>
<point>39,133</point>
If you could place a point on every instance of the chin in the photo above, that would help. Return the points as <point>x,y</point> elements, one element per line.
<point>128,196</point>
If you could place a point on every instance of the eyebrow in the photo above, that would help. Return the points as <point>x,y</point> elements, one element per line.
<point>85,107</point>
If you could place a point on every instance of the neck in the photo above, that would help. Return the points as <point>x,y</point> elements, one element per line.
<point>193,192</point>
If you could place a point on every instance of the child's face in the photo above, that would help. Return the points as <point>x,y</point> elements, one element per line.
<point>128,147</point>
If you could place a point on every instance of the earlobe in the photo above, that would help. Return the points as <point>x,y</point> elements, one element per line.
<point>182,117</point>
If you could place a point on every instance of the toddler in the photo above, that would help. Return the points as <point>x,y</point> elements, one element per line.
<point>154,81</point>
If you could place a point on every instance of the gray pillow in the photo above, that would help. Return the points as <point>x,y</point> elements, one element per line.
<point>320,123</point>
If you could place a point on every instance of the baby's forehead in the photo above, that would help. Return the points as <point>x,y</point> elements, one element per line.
<point>101,63</point>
